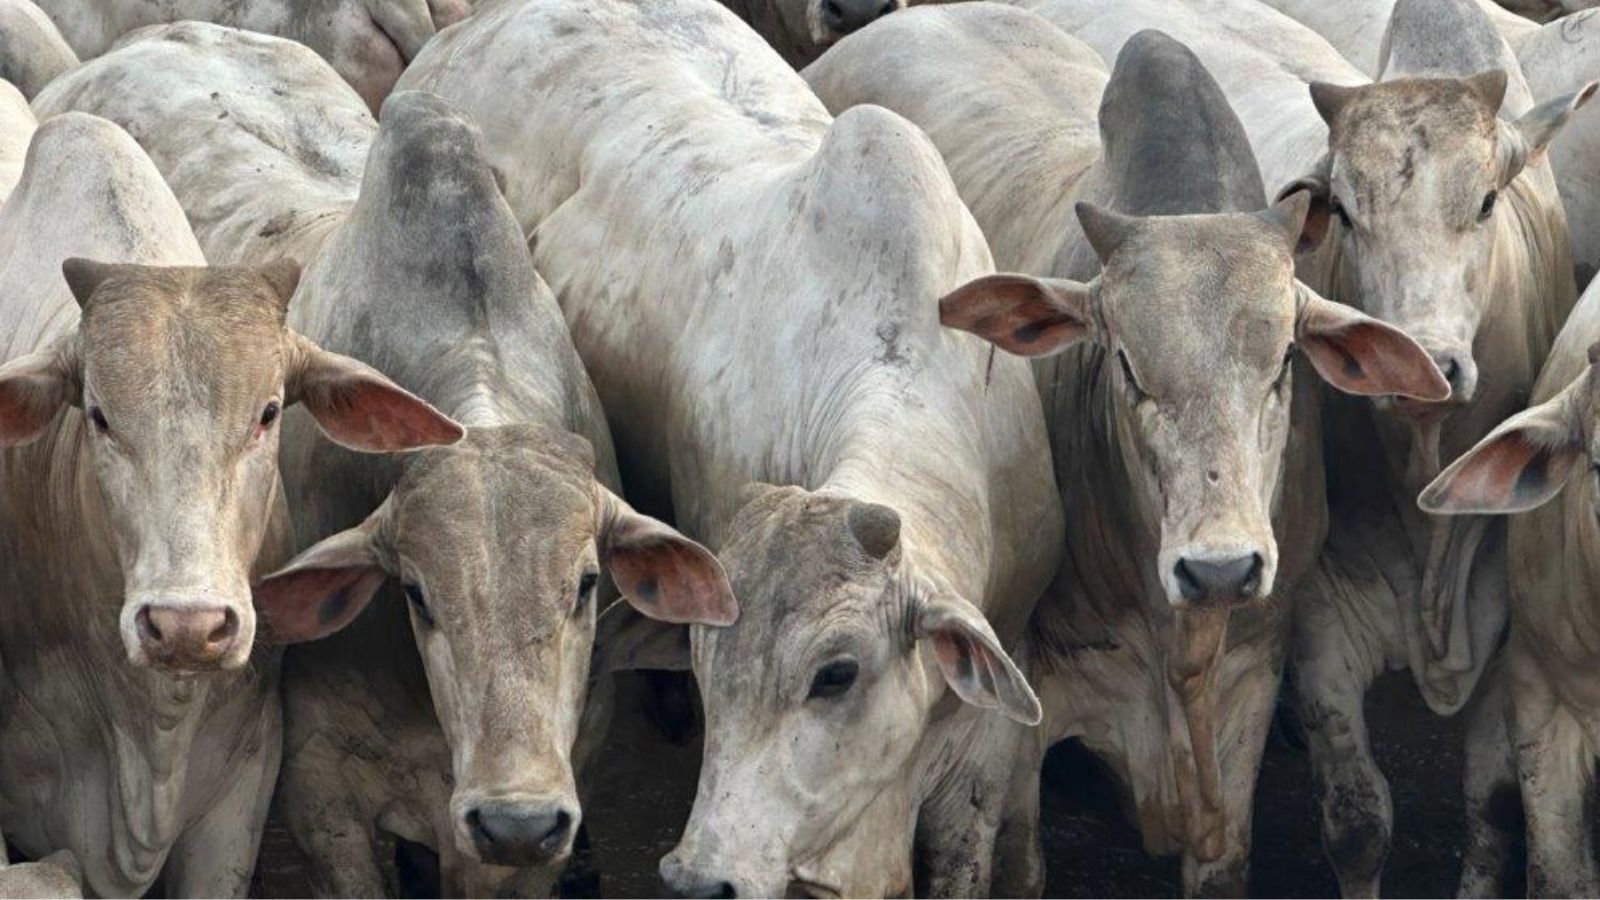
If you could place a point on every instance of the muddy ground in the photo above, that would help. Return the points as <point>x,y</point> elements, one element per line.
<point>647,785</point>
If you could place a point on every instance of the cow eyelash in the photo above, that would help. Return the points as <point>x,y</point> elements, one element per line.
<point>834,679</point>
<point>419,605</point>
<point>1127,373</point>
<point>1340,212</point>
<point>586,586</point>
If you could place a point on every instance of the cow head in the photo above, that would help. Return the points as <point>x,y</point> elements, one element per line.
<point>1197,321</point>
<point>1526,460</point>
<point>817,698</point>
<point>1413,187</point>
<point>498,544</point>
<point>180,375</point>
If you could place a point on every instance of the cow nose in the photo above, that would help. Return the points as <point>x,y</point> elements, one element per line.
<point>1220,580</point>
<point>841,17</point>
<point>188,638</point>
<point>520,834</point>
<point>682,881</point>
<point>1459,372</point>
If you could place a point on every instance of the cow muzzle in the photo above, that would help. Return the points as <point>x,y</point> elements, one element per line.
<point>1217,580</point>
<point>521,831</point>
<point>187,636</point>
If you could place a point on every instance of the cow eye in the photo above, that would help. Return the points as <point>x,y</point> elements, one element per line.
<point>1339,210</point>
<point>419,604</point>
<point>99,420</point>
<point>1127,372</point>
<point>1283,372</point>
<point>833,679</point>
<point>1487,208</point>
<point>586,586</point>
<point>270,414</point>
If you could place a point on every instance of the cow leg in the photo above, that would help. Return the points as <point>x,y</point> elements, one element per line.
<point>959,821</point>
<point>1494,800</point>
<point>1333,669</point>
<point>216,855</point>
<point>1556,772</point>
<point>1019,852</point>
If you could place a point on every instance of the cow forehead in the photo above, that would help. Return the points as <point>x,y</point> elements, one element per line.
<point>1193,297</point>
<point>1390,129</point>
<point>498,509</point>
<point>800,576</point>
<point>183,340</point>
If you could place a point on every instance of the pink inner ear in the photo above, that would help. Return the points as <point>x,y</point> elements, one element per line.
<point>368,414</point>
<point>309,604</point>
<point>672,579</point>
<point>1012,313</point>
<point>1506,473</point>
<point>1372,359</point>
<point>27,407</point>
<point>967,666</point>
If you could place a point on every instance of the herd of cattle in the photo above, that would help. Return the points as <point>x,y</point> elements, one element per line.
<point>1011,373</point>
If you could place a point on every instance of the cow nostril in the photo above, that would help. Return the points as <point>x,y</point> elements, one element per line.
<point>1188,586</point>
<point>886,9</point>
<point>147,628</point>
<point>1452,371</point>
<point>226,629</point>
<point>832,12</point>
<point>726,890</point>
<point>475,827</point>
<point>558,829</point>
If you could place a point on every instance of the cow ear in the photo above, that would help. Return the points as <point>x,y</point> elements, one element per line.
<point>660,572</point>
<point>1360,355</point>
<point>84,277</point>
<point>1331,99</point>
<point>34,389</point>
<point>971,659</point>
<point>1539,126</point>
<point>1319,210</point>
<point>1520,465</point>
<point>324,588</point>
<point>358,408</point>
<point>1020,314</point>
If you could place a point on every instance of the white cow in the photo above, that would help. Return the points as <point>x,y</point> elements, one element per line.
<point>138,401</point>
<point>488,551</point>
<point>1441,217</point>
<point>1541,462</point>
<point>1196,488</point>
<point>369,42</point>
<point>753,285</point>
<point>17,125</point>
<point>32,50</point>
<point>1557,58</point>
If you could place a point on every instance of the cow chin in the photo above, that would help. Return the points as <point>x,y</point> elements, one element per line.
<point>689,871</point>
